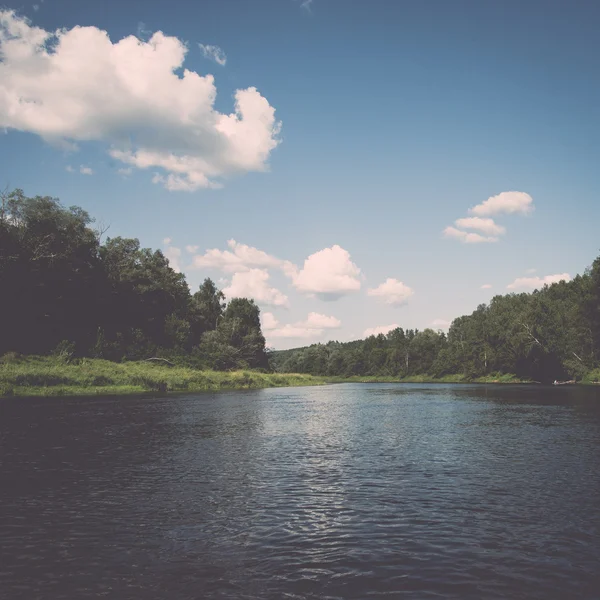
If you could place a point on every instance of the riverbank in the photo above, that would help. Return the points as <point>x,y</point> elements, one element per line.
<point>494,378</point>
<point>50,376</point>
<point>55,376</point>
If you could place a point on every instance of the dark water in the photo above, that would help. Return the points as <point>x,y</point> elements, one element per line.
<point>350,491</point>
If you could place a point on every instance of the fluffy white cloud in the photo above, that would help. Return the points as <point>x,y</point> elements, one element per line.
<point>486,286</point>
<point>319,321</point>
<point>173,254</point>
<point>328,274</point>
<point>505,202</point>
<point>214,53</point>
<point>392,292</point>
<point>268,321</point>
<point>191,249</point>
<point>533,283</point>
<point>76,85</point>
<point>487,226</point>
<point>466,237</point>
<point>240,258</point>
<point>380,329</point>
<point>125,171</point>
<point>69,169</point>
<point>254,284</point>
<point>313,327</point>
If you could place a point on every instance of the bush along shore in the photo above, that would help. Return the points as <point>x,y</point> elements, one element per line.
<point>53,376</point>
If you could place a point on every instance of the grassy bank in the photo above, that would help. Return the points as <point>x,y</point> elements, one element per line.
<point>493,378</point>
<point>50,376</point>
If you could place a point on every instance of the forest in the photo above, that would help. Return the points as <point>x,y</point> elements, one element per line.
<point>64,290</point>
<point>552,333</point>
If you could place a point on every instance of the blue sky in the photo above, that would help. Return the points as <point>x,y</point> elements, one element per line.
<point>372,128</point>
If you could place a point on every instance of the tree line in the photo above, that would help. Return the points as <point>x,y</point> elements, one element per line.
<point>552,333</point>
<point>62,289</point>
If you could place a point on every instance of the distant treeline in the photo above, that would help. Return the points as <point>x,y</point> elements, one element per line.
<point>552,333</point>
<point>63,291</point>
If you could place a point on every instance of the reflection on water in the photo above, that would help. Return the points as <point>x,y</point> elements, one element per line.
<point>350,491</point>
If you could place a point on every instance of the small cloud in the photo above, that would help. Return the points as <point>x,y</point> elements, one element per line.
<point>534,283</point>
<point>505,202</point>
<point>85,170</point>
<point>36,7</point>
<point>192,249</point>
<point>214,53</point>
<point>530,271</point>
<point>486,286</point>
<point>254,284</point>
<point>328,274</point>
<point>312,327</point>
<point>125,171</point>
<point>487,226</point>
<point>69,169</point>
<point>441,323</point>
<point>392,292</point>
<point>268,321</point>
<point>173,255</point>
<point>468,238</point>
<point>381,329</point>
<point>241,257</point>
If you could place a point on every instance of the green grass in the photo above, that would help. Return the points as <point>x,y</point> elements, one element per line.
<point>457,378</point>
<point>50,376</point>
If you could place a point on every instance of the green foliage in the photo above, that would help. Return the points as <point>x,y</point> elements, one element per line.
<point>72,296</point>
<point>553,333</point>
<point>50,376</point>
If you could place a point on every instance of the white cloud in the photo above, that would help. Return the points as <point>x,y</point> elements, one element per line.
<point>486,286</point>
<point>440,323</point>
<point>125,171</point>
<point>505,202</point>
<point>36,7</point>
<point>85,170</point>
<point>530,271</point>
<point>254,284</point>
<point>191,249</point>
<point>173,254</point>
<point>319,321</point>
<point>487,226</point>
<point>533,283</point>
<point>380,329</point>
<point>468,238</point>
<point>214,53</point>
<point>240,258</point>
<point>76,85</point>
<point>328,274</point>
<point>69,169</point>
<point>268,321</point>
<point>392,292</point>
<point>313,327</point>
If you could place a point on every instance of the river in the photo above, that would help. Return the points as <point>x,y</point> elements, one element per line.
<point>347,491</point>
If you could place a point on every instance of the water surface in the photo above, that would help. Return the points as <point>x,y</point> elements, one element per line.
<point>348,491</point>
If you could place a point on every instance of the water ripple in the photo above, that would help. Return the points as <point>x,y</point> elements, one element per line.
<point>351,491</point>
